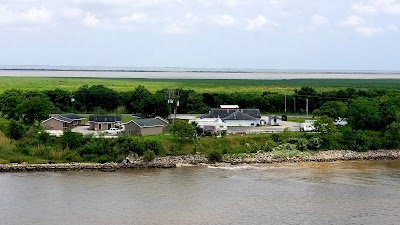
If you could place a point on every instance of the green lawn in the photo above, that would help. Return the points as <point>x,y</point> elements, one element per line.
<point>201,86</point>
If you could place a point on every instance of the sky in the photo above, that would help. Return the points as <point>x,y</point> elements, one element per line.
<point>245,34</point>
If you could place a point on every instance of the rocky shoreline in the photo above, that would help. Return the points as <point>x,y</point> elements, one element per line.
<point>133,162</point>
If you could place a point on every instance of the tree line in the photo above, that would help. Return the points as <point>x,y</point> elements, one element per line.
<point>366,109</point>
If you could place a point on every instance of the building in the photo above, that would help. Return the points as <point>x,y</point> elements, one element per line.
<point>100,122</point>
<point>236,117</point>
<point>273,120</point>
<point>213,124</point>
<point>148,126</point>
<point>61,122</point>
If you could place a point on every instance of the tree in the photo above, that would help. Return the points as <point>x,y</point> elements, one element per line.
<point>363,113</point>
<point>35,108</point>
<point>135,99</point>
<point>61,99</point>
<point>333,109</point>
<point>183,130</point>
<point>392,135</point>
<point>15,130</point>
<point>9,101</point>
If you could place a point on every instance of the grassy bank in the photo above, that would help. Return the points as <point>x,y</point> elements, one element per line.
<point>201,86</point>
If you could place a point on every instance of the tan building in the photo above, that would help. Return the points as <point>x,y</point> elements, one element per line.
<point>98,122</point>
<point>61,122</point>
<point>149,126</point>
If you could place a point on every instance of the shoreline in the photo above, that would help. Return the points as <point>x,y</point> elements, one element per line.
<point>194,160</point>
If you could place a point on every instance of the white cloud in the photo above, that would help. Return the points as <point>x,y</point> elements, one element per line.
<point>72,12</point>
<point>319,20</point>
<point>224,20</point>
<point>28,17</point>
<point>369,31</point>
<point>378,7</point>
<point>358,25</point>
<point>174,28</point>
<point>133,18</point>
<point>90,20</point>
<point>352,21</point>
<point>260,23</point>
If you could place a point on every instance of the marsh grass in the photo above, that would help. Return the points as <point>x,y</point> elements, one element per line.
<point>199,85</point>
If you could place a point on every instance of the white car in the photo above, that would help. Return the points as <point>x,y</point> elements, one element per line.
<point>113,131</point>
<point>340,122</point>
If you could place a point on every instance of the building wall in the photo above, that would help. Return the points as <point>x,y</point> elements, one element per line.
<point>53,124</point>
<point>132,128</point>
<point>104,125</point>
<point>152,130</point>
<point>241,123</point>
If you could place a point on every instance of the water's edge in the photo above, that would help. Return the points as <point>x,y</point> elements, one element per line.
<point>132,162</point>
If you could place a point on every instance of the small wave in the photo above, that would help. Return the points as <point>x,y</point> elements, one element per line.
<point>246,167</point>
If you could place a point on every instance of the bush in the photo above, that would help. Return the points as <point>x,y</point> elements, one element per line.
<point>360,142</point>
<point>215,156</point>
<point>149,155</point>
<point>268,146</point>
<point>105,159</point>
<point>15,130</point>
<point>314,143</point>
<point>301,143</point>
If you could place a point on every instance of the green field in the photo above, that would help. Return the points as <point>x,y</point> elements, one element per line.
<point>201,86</point>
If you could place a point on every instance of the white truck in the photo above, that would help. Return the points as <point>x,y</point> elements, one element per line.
<point>307,126</point>
<point>113,131</point>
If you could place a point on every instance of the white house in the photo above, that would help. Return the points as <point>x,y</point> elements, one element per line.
<point>215,124</point>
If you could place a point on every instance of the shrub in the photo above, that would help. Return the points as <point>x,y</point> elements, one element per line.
<point>215,156</point>
<point>314,143</point>
<point>15,130</point>
<point>268,146</point>
<point>105,159</point>
<point>301,143</point>
<point>149,155</point>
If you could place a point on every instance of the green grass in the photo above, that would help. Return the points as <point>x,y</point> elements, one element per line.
<point>8,153</point>
<point>199,85</point>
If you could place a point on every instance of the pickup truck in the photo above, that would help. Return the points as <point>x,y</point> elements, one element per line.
<point>113,131</point>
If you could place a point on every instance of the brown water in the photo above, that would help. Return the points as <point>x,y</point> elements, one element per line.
<point>306,193</point>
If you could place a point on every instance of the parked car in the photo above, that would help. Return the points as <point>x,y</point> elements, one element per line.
<point>340,122</point>
<point>113,131</point>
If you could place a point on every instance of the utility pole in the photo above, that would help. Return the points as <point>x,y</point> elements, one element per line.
<point>285,104</point>
<point>294,105</point>
<point>176,106</point>
<point>307,107</point>
<point>169,96</point>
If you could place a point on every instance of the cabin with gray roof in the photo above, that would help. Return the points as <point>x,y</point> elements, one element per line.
<point>61,122</point>
<point>236,117</point>
<point>148,126</point>
<point>101,122</point>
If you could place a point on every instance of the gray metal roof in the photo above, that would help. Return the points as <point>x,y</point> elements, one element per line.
<point>149,122</point>
<point>72,116</point>
<point>99,118</point>
<point>244,114</point>
<point>64,119</point>
<point>238,115</point>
